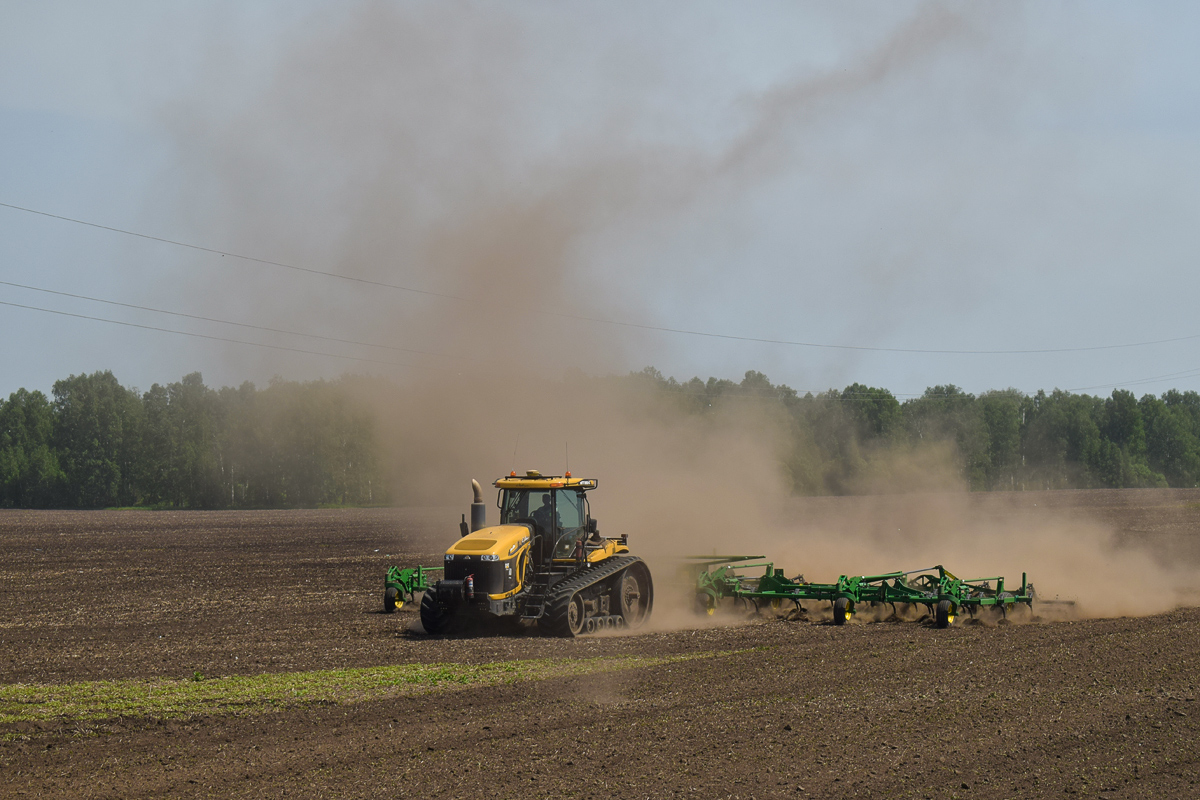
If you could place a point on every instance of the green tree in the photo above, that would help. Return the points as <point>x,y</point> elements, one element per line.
<point>1001,413</point>
<point>1123,460</point>
<point>97,436</point>
<point>948,414</point>
<point>30,476</point>
<point>179,445</point>
<point>318,445</point>
<point>876,410</point>
<point>1062,441</point>
<point>244,457</point>
<point>1172,449</point>
<point>1122,423</point>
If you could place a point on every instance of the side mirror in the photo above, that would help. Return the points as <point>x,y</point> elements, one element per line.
<point>463,527</point>
<point>592,528</point>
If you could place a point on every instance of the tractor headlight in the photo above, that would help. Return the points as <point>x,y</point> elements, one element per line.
<point>489,557</point>
<point>449,556</point>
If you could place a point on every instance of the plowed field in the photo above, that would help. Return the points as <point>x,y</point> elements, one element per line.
<point>242,654</point>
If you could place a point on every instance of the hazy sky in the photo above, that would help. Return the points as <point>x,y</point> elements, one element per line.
<point>540,179</point>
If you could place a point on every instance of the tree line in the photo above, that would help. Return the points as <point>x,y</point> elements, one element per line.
<point>849,441</point>
<point>97,444</point>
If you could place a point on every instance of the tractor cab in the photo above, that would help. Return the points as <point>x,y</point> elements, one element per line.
<point>556,507</point>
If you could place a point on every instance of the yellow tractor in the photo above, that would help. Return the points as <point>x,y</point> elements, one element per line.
<point>546,562</point>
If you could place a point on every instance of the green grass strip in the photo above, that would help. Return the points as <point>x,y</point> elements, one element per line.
<point>166,698</point>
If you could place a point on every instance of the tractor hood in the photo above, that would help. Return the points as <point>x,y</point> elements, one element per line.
<point>499,543</point>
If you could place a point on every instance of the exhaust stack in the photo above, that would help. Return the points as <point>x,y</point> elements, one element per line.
<point>478,509</point>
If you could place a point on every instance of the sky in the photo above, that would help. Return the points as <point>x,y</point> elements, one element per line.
<point>900,194</point>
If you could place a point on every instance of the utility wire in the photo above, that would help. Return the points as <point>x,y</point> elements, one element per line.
<point>206,336</point>
<point>789,342</point>
<point>764,394</point>
<point>1187,373</point>
<point>215,251</point>
<point>738,393</point>
<point>227,322</point>
<point>755,395</point>
<point>602,320</point>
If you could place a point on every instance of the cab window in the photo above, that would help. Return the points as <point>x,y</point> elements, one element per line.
<point>514,505</point>
<point>570,508</point>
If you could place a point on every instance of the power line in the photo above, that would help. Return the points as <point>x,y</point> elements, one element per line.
<point>918,351</point>
<point>227,322</point>
<point>1187,373</point>
<point>756,395</point>
<point>215,251</point>
<point>602,320</point>
<point>206,336</point>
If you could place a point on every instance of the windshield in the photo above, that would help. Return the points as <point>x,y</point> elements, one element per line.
<point>514,505</point>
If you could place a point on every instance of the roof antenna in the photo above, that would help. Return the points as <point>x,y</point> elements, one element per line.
<point>514,461</point>
<point>567,447</point>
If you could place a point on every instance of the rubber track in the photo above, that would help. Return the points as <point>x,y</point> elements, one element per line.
<point>554,620</point>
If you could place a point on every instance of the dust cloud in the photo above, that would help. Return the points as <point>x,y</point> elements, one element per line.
<point>499,210</point>
<point>683,485</point>
<point>408,146</point>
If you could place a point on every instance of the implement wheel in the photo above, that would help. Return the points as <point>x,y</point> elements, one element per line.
<point>841,611</point>
<point>944,617</point>
<point>391,600</point>
<point>704,604</point>
<point>435,617</point>
<point>635,595</point>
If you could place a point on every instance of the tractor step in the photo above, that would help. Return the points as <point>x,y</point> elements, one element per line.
<point>534,608</point>
<point>535,604</point>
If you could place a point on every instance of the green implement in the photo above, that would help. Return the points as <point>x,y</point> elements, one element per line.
<point>403,585</point>
<point>942,593</point>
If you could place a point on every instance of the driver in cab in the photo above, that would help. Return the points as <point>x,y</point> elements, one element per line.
<point>545,517</point>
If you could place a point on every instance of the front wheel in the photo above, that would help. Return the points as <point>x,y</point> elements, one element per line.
<point>390,600</point>
<point>841,611</point>
<point>945,614</point>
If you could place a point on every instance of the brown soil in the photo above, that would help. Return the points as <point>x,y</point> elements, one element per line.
<point>1094,708</point>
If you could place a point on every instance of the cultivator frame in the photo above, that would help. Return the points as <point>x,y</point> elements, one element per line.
<point>403,585</point>
<point>943,594</point>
